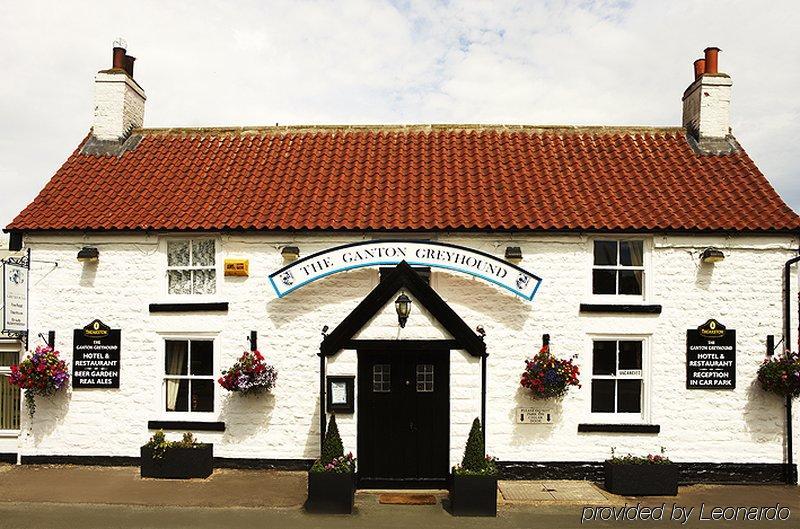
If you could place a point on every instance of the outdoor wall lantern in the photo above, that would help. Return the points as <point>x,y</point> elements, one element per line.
<point>290,253</point>
<point>88,254</point>
<point>403,307</point>
<point>513,254</point>
<point>712,255</point>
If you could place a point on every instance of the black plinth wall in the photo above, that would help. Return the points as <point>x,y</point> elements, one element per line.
<point>178,463</point>
<point>641,480</point>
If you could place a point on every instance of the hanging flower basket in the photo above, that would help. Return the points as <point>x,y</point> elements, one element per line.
<point>40,374</point>
<point>781,375</point>
<point>249,375</point>
<point>548,377</point>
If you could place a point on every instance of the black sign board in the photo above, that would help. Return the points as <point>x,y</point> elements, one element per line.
<point>711,357</point>
<point>95,356</point>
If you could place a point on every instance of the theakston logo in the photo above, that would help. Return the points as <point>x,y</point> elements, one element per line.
<point>711,329</point>
<point>96,329</point>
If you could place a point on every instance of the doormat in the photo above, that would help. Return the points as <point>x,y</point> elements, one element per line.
<point>394,498</point>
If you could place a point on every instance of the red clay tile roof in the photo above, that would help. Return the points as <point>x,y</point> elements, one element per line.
<point>409,178</point>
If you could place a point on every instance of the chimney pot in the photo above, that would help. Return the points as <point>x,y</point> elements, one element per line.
<point>129,65</point>
<point>712,56</point>
<point>118,58</point>
<point>699,68</point>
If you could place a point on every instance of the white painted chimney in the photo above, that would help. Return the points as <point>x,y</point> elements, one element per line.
<point>118,99</point>
<point>707,101</point>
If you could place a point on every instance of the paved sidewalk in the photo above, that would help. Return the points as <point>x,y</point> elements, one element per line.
<point>122,485</point>
<point>106,497</point>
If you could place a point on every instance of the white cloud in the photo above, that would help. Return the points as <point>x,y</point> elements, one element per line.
<point>239,63</point>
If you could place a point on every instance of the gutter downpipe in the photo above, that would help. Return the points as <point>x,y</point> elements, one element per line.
<point>791,473</point>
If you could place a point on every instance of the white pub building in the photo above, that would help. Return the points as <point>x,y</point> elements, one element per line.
<point>400,276</point>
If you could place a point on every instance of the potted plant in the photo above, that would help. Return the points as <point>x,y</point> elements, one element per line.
<point>474,481</point>
<point>331,483</point>
<point>40,374</point>
<point>182,459</point>
<point>249,375</point>
<point>548,377</point>
<point>781,375</point>
<point>651,475</point>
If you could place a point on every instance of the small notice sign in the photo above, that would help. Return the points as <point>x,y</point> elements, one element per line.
<point>711,357</point>
<point>534,416</point>
<point>96,356</point>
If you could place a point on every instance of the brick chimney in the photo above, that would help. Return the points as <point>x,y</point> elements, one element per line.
<point>118,98</point>
<point>706,103</point>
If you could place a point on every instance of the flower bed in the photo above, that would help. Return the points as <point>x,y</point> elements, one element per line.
<point>331,480</point>
<point>547,377</point>
<point>781,375</point>
<point>40,374</point>
<point>650,475</point>
<point>474,482</point>
<point>182,459</point>
<point>249,375</point>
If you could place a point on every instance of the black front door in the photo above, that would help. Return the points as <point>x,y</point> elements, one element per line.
<point>403,418</point>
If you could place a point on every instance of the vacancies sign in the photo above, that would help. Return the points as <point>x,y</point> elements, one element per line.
<point>415,253</point>
<point>711,357</point>
<point>95,356</point>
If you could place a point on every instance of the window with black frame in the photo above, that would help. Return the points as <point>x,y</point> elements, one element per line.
<point>617,376</point>
<point>618,268</point>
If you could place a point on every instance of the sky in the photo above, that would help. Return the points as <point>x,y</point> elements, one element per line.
<point>215,63</point>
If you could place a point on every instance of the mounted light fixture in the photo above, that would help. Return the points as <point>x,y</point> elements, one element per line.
<point>513,254</point>
<point>403,307</point>
<point>712,255</point>
<point>290,253</point>
<point>88,254</point>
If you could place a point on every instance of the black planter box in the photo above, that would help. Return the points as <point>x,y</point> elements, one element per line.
<point>642,480</point>
<point>473,495</point>
<point>331,492</point>
<point>178,463</point>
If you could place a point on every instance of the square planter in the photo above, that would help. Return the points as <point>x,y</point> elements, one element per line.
<point>642,480</point>
<point>331,492</point>
<point>473,495</point>
<point>178,463</point>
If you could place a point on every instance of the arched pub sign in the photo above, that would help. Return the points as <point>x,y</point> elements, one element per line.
<point>416,253</point>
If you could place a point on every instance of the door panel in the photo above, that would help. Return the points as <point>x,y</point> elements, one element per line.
<point>403,422</point>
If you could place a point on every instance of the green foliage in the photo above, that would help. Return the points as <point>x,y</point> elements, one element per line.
<point>649,459</point>
<point>475,461</point>
<point>160,444</point>
<point>332,447</point>
<point>332,458</point>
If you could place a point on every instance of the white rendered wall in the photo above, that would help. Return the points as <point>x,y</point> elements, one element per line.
<point>744,292</point>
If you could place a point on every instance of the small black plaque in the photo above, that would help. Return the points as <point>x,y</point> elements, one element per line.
<point>711,357</point>
<point>95,357</point>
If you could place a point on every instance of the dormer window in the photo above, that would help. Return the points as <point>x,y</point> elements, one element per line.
<point>191,267</point>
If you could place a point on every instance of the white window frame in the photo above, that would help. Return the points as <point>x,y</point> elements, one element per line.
<point>218,268</point>
<point>644,416</point>
<point>646,268</point>
<point>162,377</point>
<point>16,347</point>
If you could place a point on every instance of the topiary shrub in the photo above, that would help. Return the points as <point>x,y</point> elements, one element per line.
<point>332,458</point>
<point>475,461</point>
